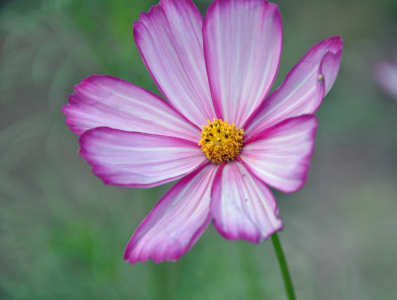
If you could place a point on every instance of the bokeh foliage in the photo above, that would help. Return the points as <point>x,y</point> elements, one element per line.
<point>63,233</point>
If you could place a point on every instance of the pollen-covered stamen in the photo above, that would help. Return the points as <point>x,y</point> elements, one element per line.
<point>221,141</point>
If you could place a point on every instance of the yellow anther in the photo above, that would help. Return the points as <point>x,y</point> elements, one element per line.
<point>221,141</point>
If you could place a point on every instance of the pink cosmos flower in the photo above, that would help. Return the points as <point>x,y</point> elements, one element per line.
<point>211,71</point>
<point>386,77</point>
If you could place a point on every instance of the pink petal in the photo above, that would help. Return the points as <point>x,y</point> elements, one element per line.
<point>280,155</point>
<point>303,89</point>
<point>134,159</point>
<point>176,222</point>
<point>242,46</point>
<point>386,76</point>
<point>242,206</point>
<point>170,41</point>
<point>111,102</point>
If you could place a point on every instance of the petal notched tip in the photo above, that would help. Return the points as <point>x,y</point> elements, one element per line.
<point>252,238</point>
<point>71,109</point>
<point>242,206</point>
<point>133,159</point>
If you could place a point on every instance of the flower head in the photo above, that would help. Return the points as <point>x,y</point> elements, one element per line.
<point>220,141</point>
<point>220,131</point>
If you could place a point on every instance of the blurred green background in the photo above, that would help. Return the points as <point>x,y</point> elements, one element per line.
<point>63,233</point>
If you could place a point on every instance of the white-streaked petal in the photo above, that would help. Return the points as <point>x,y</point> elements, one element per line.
<point>242,206</point>
<point>280,155</point>
<point>170,41</point>
<point>133,159</point>
<point>111,102</point>
<point>303,89</point>
<point>176,222</point>
<point>242,46</point>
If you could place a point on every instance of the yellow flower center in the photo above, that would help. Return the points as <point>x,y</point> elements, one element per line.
<point>221,141</point>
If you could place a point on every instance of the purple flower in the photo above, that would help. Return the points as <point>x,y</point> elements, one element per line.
<point>216,72</point>
<point>386,77</point>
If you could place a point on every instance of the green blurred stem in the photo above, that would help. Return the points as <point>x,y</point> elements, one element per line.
<point>289,289</point>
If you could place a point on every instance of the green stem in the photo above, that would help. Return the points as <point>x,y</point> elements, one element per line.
<point>289,289</point>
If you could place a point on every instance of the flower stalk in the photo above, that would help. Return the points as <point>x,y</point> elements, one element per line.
<point>289,289</point>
